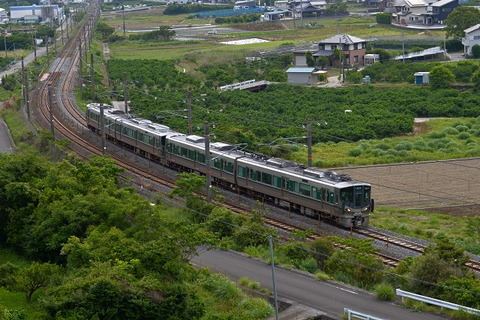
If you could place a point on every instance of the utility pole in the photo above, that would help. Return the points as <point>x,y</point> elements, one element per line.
<point>102,128</point>
<point>272,263</point>
<point>80,67</point>
<point>189,110</point>
<point>5,44</point>
<point>301,12</point>
<point>34,47</point>
<point>309,143</point>
<point>208,172</point>
<point>27,97</point>
<point>403,47</point>
<point>50,108</point>
<point>123,8</point>
<point>46,44</point>
<point>93,77</point>
<point>125,92</point>
<point>61,29</point>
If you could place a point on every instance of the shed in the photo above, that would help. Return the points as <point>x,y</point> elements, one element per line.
<point>298,75</point>
<point>422,78</point>
<point>371,58</point>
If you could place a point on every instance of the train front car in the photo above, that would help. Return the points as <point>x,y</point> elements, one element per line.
<point>356,202</point>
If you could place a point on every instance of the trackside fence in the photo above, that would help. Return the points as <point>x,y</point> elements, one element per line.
<point>358,315</point>
<point>436,302</point>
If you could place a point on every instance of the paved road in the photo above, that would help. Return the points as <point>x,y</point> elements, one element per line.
<point>328,297</point>
<point>6,143</point>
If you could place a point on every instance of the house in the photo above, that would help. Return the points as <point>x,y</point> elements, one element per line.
<point>247,4</point>
<point>302,75</point>
<point>274,15</point>
<point>472,37</point>
<point>424,12</point>
<point>307,8</point>
<point>422,77</point>
<point>353,49</point>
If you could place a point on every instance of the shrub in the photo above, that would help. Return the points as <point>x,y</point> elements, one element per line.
<point>461,128</point>
<point>385,291</point>
<point>463,135</point>
<point>355,152</point>
<point>436,135</point>
<point>450,131</point>
<point>322,276</point>
<point>405,145</point>
<point>382,146</point>
<point>476,51</point>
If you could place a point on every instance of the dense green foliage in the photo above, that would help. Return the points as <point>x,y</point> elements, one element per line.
<point>407,43</point>
<point>175,8</point>
<point>162,34</point>
<point>396,72</point>
<point>463,17</point>
<point>74,214</point>
<point>383,18</point>
<point>244,18</point>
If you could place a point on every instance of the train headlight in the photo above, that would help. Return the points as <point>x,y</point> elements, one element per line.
<point>348,210</point>
<point>365,209</point>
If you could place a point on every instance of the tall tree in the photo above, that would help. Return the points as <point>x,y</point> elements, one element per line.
<point>461,18</point>
<point>441,77</point>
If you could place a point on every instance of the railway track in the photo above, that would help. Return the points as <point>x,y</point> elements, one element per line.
<point>64,111</point>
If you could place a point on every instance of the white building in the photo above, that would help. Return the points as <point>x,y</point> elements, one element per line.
<point>302,75</point>
<point>43,12</point>
<point>472,37</point>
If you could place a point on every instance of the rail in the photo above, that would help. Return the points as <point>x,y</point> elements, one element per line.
<point>436,302</point>
<point>358,315</point>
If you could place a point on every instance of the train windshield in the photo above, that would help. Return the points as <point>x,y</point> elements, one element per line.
<point>356,197</point>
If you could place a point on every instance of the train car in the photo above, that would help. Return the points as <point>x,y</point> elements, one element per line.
<point>310,191</point>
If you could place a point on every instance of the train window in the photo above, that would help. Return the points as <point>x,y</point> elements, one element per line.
<point>140,136</point>
<point>229,167</point>
<point>242,171</point>
<point>336,197</point>
<point>331,198</point>
<point>316,193</point>
<point>266,178</point>
<point>201,157</point>
<point>277,181</point>
<point>305,189</point>
<point>324,195</point>
<point>191,154</point>
<point>293,186</point>
<point>217,163</point>
<point>169,147</point>
<point>358,200</point>
<point>183,152</point>
<point>255,175</point>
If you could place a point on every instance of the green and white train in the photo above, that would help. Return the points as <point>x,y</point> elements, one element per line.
<point>323,195</point>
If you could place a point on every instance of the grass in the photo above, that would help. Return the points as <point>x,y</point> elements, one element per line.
<point>17,126</point>
<point>427,225</point>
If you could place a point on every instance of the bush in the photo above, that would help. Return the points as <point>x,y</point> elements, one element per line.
<point>385,291</point>
<point>476,51</point>
<point>355,152</point>
<point>322,276</point>
<point>463,135</point>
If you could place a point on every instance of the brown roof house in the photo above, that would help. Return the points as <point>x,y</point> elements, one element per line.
<point>353,51</point>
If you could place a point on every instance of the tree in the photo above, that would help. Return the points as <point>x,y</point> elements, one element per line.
<point>441,77</point>
<point>461,18</point>
<point>104,30</point>
<point>29,280</point>
<point>309,58</point>
<point>323,249</point>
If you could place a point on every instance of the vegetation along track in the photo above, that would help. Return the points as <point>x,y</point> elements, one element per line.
<point>69,123</point>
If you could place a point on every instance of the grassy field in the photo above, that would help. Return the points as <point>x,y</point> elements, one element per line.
<point>437,139</point>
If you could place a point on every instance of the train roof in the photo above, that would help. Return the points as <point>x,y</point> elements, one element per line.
<point>232,152</point>
<point>118,115</point>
